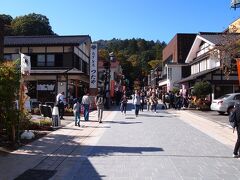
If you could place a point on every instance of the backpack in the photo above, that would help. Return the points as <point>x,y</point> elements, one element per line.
<point>99,100</point>
<point>232,119</point>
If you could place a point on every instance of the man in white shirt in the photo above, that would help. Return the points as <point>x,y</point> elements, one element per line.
<point>60,101</point>
<point>86,103</point>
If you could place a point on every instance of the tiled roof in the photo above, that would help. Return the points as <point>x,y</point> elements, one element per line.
<point>44,40</point>
<point>219,38</point>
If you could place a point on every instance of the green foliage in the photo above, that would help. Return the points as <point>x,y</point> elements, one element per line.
<point>154,63</point>
<point>175,90</point>
<point>202,89</point>
<point>6,19</point>
<point>40,124</point>
<point>31,24</point>
<point>9,85</point>
<point>137,56</point>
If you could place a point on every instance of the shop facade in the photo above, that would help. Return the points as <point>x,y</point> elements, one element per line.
<point>58,64</point>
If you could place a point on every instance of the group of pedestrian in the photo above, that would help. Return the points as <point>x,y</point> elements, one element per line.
<point>142,98</point>
<point>77,107</point>
<point>176,100</point>
<point>139,99</point>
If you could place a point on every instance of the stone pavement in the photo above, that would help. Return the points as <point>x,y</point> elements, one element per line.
<point>48,152</point>
<point>169,144</point>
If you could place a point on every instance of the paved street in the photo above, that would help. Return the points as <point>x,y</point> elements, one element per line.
<point>168,144</point>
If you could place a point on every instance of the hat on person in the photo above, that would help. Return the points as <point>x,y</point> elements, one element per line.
<point>75,100</point>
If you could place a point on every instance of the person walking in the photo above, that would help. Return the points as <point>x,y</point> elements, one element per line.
<point>124,104</point>
<point>99,101</point>
<point>142,101</point>
<point>136,102</point>
<point>86,103</point>
<point>165,98</point>
<point>154,102</point>
<point>178,101</point>
<point>237,121</point>
<point>148,100</point>
<point>76,112</point>
<point>60,101</point>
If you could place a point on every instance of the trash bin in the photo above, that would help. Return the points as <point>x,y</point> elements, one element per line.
<point>46,111</point>
<point>56,122</point>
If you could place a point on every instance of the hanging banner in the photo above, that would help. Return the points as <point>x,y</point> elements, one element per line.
<point>25,64</point>
<point>112,88</point>
<point>238,69</point>
<point>93,67</point>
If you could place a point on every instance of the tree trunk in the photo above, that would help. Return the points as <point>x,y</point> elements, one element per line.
<point>13,134</point>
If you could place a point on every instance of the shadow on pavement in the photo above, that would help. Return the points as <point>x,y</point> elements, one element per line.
<point>108,150</point>
<point>124,122</point>
<point>157,115</point>
<point>36,174</point>
<point>68,149</point>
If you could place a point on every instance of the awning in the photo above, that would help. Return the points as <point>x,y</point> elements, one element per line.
<point>56,71</point>
<point>197,75</point>
<point>162,83</point>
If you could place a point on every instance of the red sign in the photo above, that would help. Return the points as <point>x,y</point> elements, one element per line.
<point>238,68</point>
<point>112,88</point>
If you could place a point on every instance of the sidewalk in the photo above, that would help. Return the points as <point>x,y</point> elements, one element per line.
<point>49,151</point>
<point>219,130</point>
<point>60,148</point>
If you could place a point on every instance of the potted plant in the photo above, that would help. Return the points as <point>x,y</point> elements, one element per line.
<point>201,90</point>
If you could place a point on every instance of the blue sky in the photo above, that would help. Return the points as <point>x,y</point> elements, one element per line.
<point>126,19</point>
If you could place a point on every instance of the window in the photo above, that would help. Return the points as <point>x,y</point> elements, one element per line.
<point>237,97</point>
<point>50,60</point>
<point>7,57</point>
<point>84,67</point>
<point>40,60</point>
<point>203,65</point>
<point>170,73</point>
<point>45,60</point>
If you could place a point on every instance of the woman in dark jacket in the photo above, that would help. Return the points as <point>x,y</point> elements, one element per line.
<point>237,145</point>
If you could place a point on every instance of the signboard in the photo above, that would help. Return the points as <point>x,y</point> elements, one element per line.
<point>238,68</point>
<point>112,88</point>
<point>93,67</point>
<point>25,64</point>
<point>234,27</point>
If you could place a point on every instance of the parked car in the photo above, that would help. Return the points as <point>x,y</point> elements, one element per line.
<point>225,103</point>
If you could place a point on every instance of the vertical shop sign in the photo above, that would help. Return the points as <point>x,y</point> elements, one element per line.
<point>93,66</point>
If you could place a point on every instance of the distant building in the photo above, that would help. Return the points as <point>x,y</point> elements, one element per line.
<point>115,76</point>
<point>205,66</point>
<point>59,64</point>
<point>174,56</point>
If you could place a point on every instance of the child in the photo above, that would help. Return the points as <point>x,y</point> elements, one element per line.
<point>76,112</point>
<point>124,104</point>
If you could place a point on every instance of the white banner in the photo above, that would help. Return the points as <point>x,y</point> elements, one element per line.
<point>93,66</point>
<point>25,64</point>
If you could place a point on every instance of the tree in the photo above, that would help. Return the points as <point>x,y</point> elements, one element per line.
<point>5,29</point>
<point>136,56</point>
<point>202,89</point>
<point>1,38</point>
<point>153,63</point>
<point>9,86</point>
<point>31,24</point>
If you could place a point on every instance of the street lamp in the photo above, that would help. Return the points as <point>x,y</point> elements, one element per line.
<point>107,65</point>
<point>235,4</point>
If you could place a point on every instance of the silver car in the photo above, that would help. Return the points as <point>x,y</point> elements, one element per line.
<point>225,103</point>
